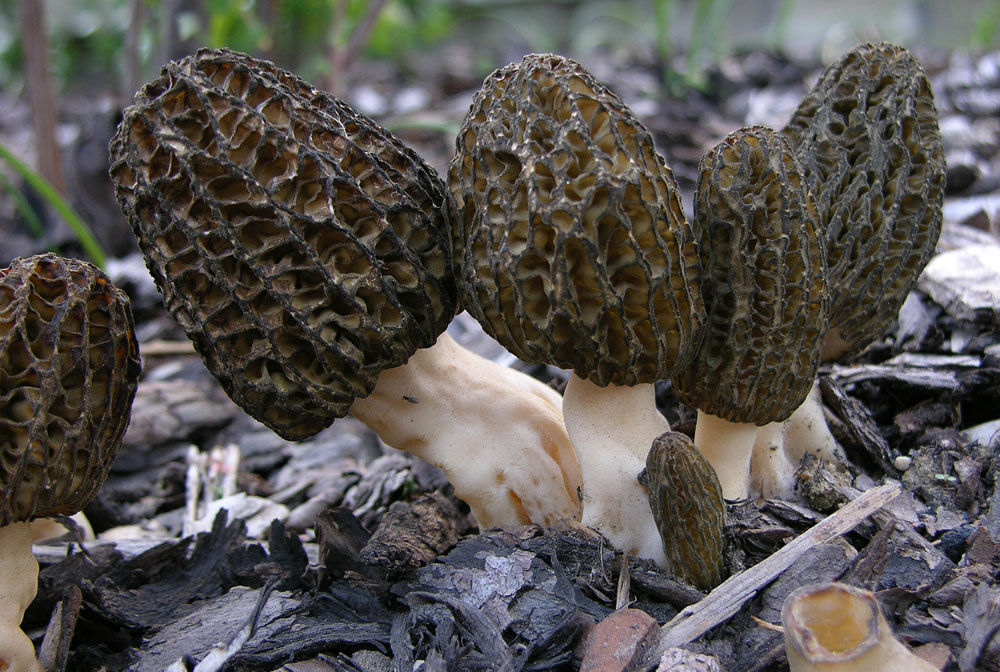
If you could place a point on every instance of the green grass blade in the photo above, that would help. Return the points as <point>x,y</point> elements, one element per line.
<point>21,204</point>
<point>53,198</point>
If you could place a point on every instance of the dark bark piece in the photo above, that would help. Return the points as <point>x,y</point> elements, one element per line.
<point>412,534</point>
<point>854,427</point>
<point>981,615</point>
<point>619,642</point>
<point>341,537</point>
<point>55,649</point>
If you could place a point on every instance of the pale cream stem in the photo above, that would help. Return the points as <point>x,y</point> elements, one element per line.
<point>18,583</point>
<point>612,429</point>
<point>497,433</point>
<point>728,446</point>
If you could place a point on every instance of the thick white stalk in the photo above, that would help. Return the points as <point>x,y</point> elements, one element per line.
<point>612,429</point>
<point>728,447</point>
<point>18,583</point>
<point>806,431</point>
<point>772,473</point>
<point>497,433</point>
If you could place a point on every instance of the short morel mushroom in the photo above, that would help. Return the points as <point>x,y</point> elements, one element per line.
<point>572,249</point>
<point>764,287</point>
<point>868,140</point>
<point>307,254</point>
<point>686,500</point>
<point>69,366</point>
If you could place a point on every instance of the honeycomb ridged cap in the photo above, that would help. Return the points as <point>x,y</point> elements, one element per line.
<point>301,246</point>
<point>685,497</point>
<point>764,282</point>
<point>69,366</point>
<point>868,139</point>
<point>570,240</point>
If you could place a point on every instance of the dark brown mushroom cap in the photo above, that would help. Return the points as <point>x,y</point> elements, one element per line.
<point>69,366</point>
<point>571,243</point>
<point>868,140</point>
<point>299,244</point>
<point>685,497</point>
<point>764,282</point>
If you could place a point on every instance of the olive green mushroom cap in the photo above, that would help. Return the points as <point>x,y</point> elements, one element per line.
<point>69,366</point>
<point>299,244</point>
<point>868,140</point>
<point>685,497</point>
<point>570,240</point>
<point>764,282</point>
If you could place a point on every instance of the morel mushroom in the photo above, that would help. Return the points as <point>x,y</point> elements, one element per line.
<point>306,252</point>
<point>764,287</point>
<point>868,140</point>
<point>572,249</point>
<point>835,627</point>
<point>69,366</point>
<point>686,500</point>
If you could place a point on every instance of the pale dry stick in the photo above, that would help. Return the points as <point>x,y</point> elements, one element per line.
<point>723,602</point>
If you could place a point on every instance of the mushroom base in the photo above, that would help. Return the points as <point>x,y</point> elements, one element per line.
<point>612,429</point>
<point>497,433</point>
<point>18,584</point>
<point>835,627</point>
<point>728,446</point>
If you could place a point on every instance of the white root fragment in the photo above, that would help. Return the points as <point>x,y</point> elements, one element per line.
<point>18,583</point>
<point>834,627</point>
<point>497,433</point>
<point>612,429</point>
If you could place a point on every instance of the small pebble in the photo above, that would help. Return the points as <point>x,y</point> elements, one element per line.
<point>902,462</point>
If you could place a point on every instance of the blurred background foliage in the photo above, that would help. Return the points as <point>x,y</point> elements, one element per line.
<point>122,43</point>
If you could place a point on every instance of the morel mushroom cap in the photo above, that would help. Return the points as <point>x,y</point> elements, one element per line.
<point>300,245</point>
<point>69,366</point>
<point>868,140</point>
<point>764,287</point>
<point>685,497</point>
<point>571,242</point>
<point>573,250</point>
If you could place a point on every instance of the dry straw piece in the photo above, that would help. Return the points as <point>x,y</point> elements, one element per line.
<point>868,139</point>
<point>299,244</point>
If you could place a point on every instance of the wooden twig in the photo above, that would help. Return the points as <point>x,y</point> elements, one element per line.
<point>162,348</point>
<point>35,45</point>
<point>723,602</point>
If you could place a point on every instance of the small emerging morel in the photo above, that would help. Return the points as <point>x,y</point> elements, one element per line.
<point>69,366</point>
<point>686,500</point>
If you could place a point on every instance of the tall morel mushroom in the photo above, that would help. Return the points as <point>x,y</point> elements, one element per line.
<point>307,254</point>
<point>868,140</point>
<point>572,249</point>
<point>764,287</point>
<point>69,366</point>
